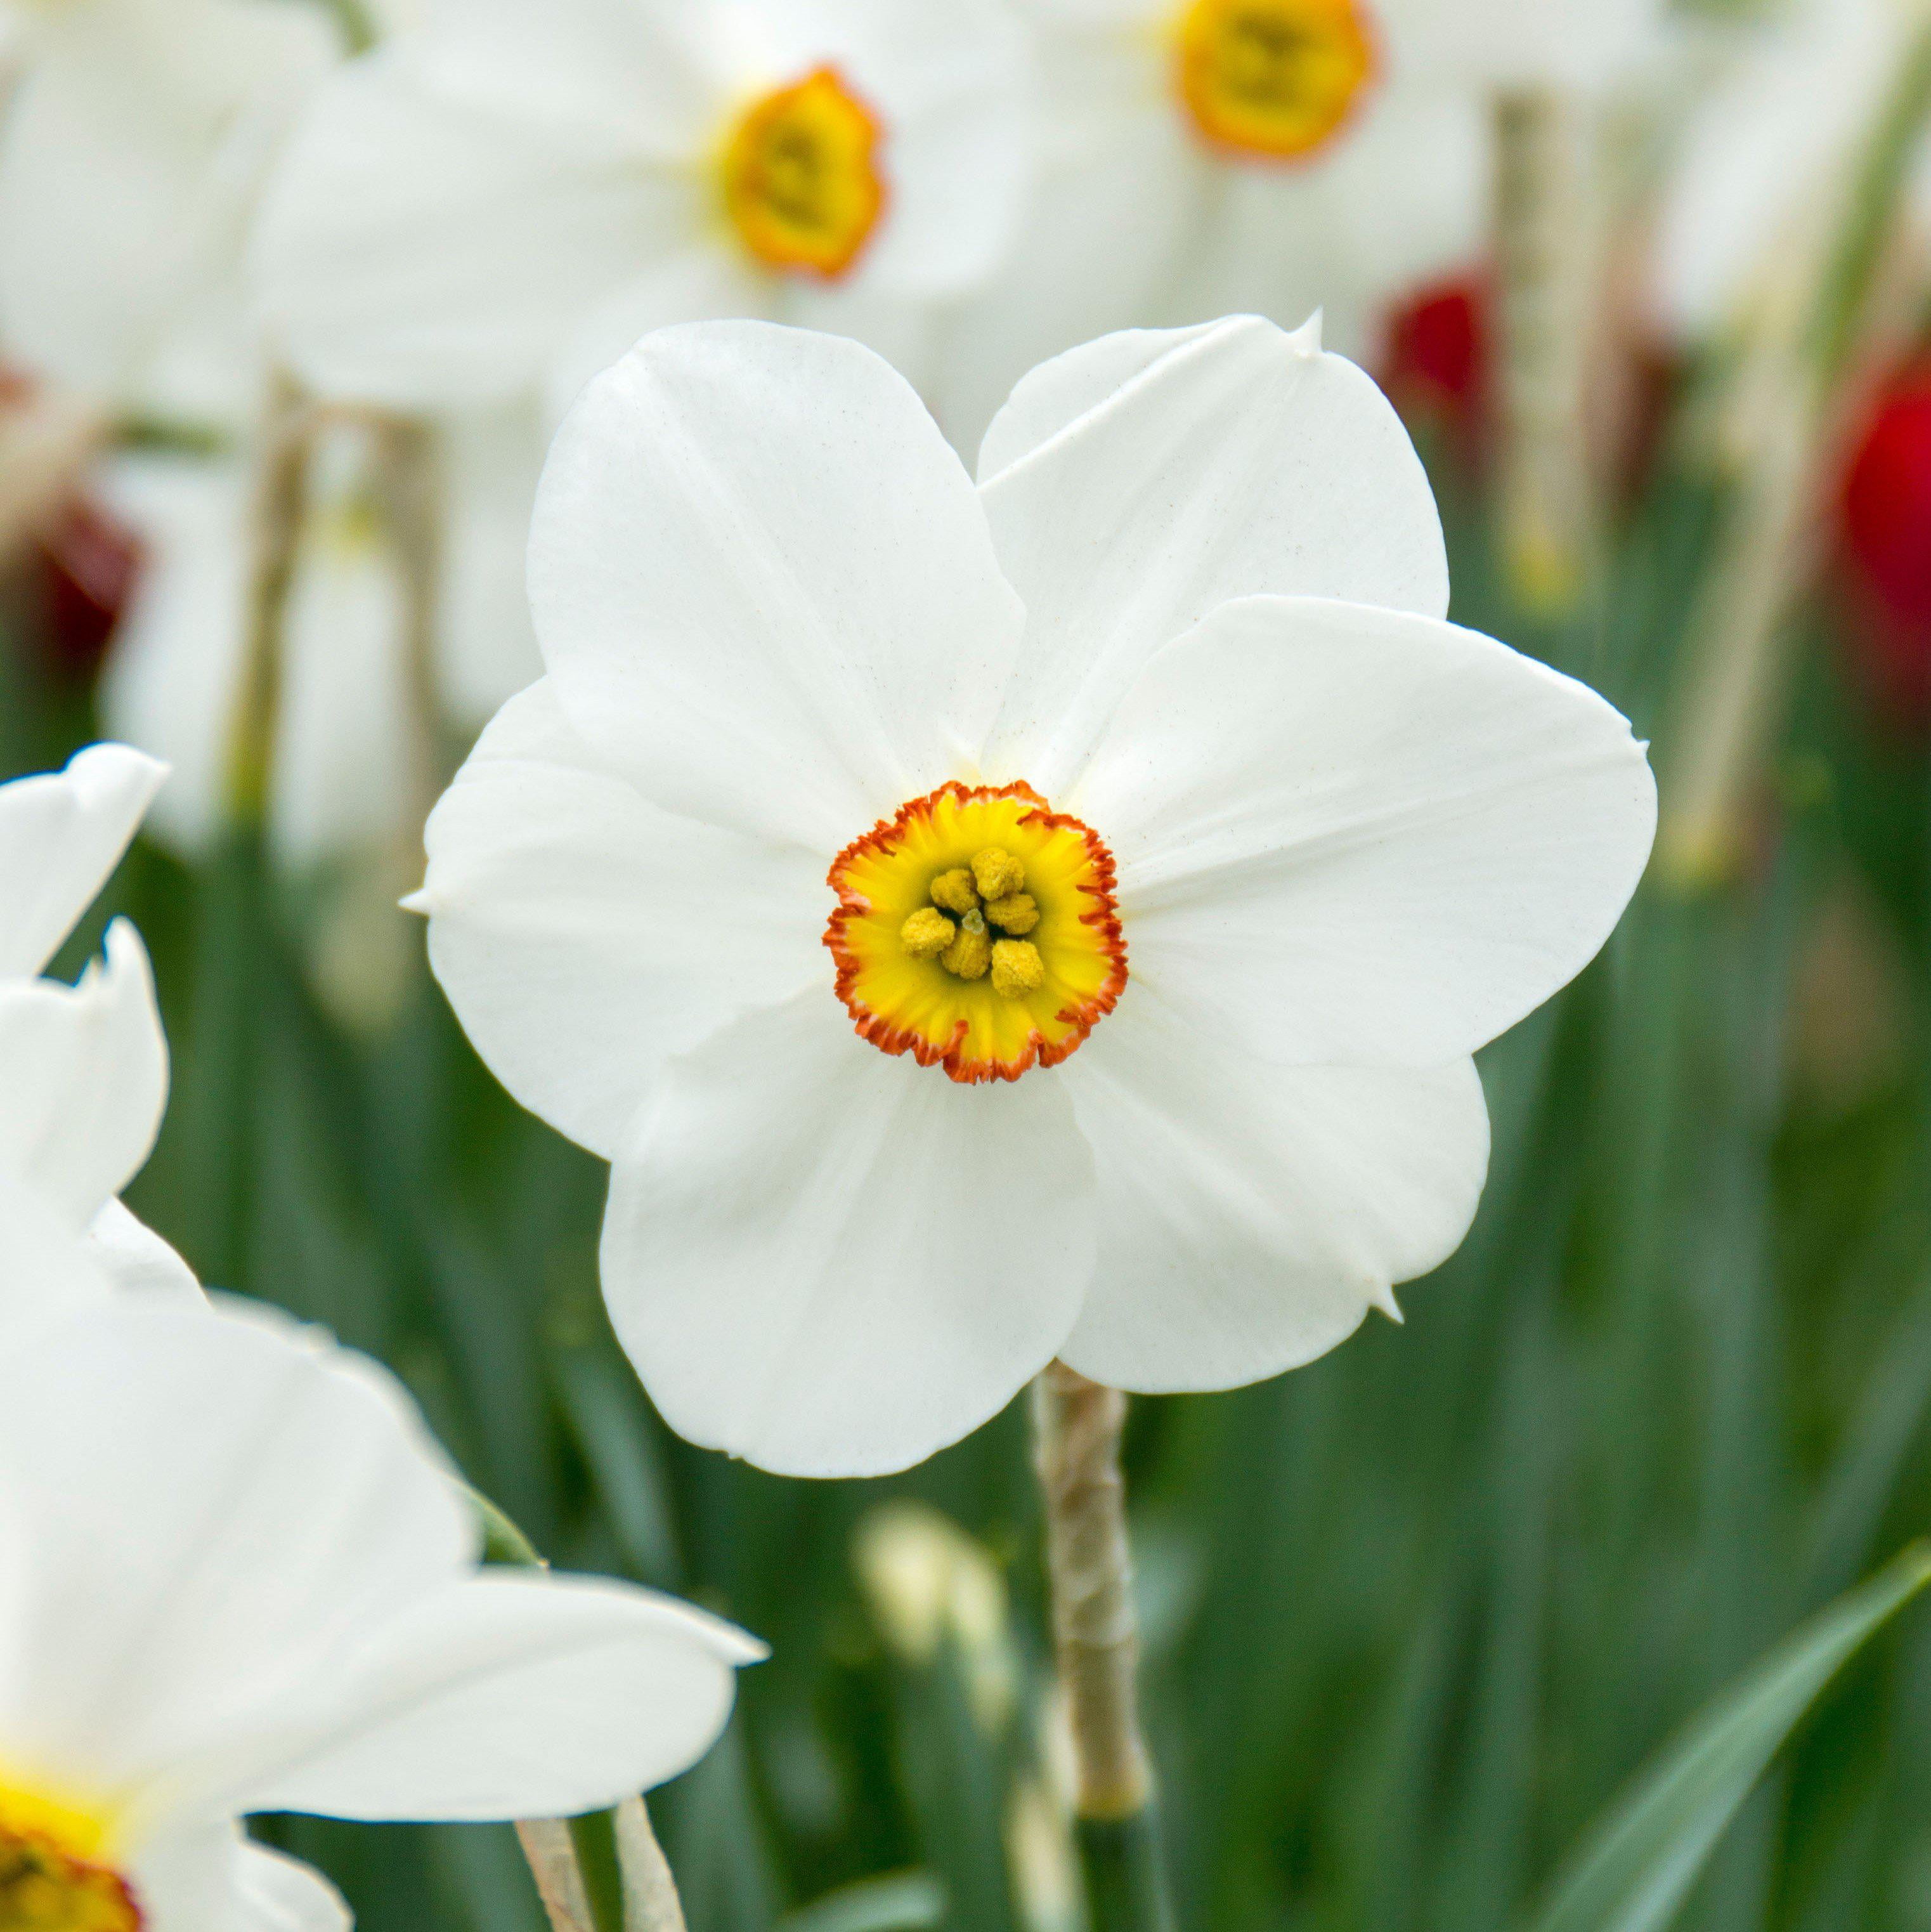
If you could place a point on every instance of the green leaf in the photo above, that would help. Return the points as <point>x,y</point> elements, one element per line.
<point>904,1902</point>
<point>1635,1870</point>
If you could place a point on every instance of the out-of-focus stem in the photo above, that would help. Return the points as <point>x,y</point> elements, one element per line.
<point>605,1871</point>
<point>651,1903</point>
<point>1737,672</point>
<point>1545,234</point>
<point>1078,1425</point>
<point>412,486</point>
<point>279,502</point>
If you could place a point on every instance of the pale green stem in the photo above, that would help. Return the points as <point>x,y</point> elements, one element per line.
<point>1546,246</point>
<point>1078,1425</point>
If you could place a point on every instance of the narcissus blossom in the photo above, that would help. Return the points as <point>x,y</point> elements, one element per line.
<point>1204,156</point>
<point>86,1066</point>
<point>980,925</point>
<point>131,158</point>
<point>525,186</point>
<point>236,1575</point>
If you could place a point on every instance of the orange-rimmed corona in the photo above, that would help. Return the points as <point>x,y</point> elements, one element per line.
<point>977,931</point>
<point>51,1876</point>
<point>1274,80</point>
<point>803,187</point>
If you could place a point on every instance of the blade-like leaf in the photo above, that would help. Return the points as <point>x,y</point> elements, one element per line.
<point>1633,1872</point>
<point>904,1902</point>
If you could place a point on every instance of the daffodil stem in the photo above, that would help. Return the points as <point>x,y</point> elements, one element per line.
<point>603,1871</point>
<point>279,501</point>
<point>1077,1427</point>
<point>1545,262</point>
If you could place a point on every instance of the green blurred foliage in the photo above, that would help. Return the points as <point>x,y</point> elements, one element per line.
<point>1415,1615</point>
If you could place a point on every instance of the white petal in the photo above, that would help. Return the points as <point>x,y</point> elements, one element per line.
<point>61,835</point>
<point>507,1697</point>
<point>428,242</point>
<point>583,935</point>
<point>173,680</point>
<point>137,1260</point>
<point>215,1502</point>
<point>209,1877</point>
<point>833,1262</point>
<point>86,1079</point>
<point>280,1894</point>
<point>46,1270</point>
<point>1349,836</point>
<point>1238,459</point>
<point>1252,1214</point>
<point>764,585</point>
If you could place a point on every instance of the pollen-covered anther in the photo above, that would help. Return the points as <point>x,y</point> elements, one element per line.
<point>1017,968</point>
<point>927,933</point>
<point>969,955</point>
<point>997,874</point>
<point>1018,914</point>
<point>954,891</point>
<point>43,1884</point>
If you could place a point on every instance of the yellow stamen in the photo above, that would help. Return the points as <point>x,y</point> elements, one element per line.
<point>51,1879</point>
<point>1273,78</point>
<point>1017,968</point>
<point>988,1007</point>
<point>997,874</point>
<point>970,955</point>
<point>927,933</point>
<point>802,183</point>
<point>954,890</point>
<point>1018,914</point>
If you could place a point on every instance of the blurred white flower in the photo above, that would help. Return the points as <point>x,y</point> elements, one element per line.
<point>528,185</point>
<point>347,763</point>
<point>1203,157</point>
<point>131,157</point>
<point>1174,681</point>
<point>86,1066</point>
<point>1765,152</point>
<point>237,1576</point>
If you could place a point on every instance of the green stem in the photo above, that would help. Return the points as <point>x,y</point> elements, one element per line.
<point>1125,1869</point>
<point>1078,1424</point>
<point>602,1872</point>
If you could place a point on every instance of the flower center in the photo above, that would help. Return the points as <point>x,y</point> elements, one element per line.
<point>976,930</point>
<point>802,182</point>
<point>1274,78</point>
<point>51,1879</point>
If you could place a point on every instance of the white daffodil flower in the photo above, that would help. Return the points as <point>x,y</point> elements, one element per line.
<point>86,1066</point>
<point>529,184</point>
<point>236,1575</point>
<point>130,159</point>
<point>1206,156</point>
<point>983,925</point>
